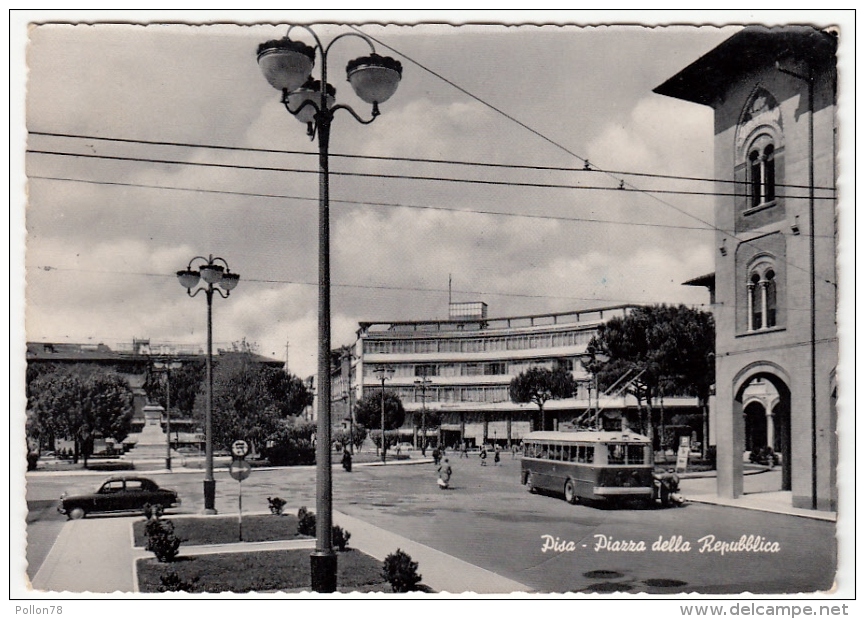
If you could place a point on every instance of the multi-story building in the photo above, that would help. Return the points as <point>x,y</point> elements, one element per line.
<point>773,92</point>
<point>461,368</point>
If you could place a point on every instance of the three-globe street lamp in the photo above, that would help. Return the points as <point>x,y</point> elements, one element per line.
<point>384,373</point>
<point>422,383</point>
<point>287,65</point>
<point>213,275</point>
<point>165,367</point>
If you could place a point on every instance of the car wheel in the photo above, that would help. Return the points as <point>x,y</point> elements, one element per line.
<point>529,485</point>
<point>570,492</point>
<point>77,514</point>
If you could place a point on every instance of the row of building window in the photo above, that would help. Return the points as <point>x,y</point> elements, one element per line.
<point>453,370</point>
<point>482,344</point>
<point>453,395</point>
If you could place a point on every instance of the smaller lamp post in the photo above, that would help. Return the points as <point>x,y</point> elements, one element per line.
<point>384,373</point>
<point>165,367</point>
<point>213,275</point>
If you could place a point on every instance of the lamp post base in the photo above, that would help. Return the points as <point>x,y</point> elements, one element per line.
<point>210,496</point>
<point>168,463</point>
<point>323,570</point>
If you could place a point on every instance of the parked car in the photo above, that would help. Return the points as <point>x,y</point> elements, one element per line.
<point>122,493</point>
<point>404,447</point>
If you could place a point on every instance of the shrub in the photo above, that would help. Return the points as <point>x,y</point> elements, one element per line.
<point>305,522</point>
<point>172,582</point>
<point>340,538</point>
<point>153,511</point>
<point>401,572</point>
<point>306,526</point>
<point>110,466</point>
<point>161,539</point>
<point>276,505</point>
<point>291,444</point>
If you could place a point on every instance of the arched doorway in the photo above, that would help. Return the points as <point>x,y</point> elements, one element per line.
<point>756,427</point>
<point>762,388</point>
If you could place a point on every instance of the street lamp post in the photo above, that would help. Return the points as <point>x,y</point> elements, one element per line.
<point>384,373</point>
<point>165,368</point>
<point>422,383</point>
<point>287,66</point>
<point>213,275</point>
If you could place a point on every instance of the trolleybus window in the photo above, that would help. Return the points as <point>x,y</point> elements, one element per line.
<point>625,454</point>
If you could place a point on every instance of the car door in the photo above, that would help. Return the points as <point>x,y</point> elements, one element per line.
<point>138,493</point>
<point>109,496</point>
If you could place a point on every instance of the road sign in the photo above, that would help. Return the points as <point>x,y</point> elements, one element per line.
<point>239,469</point>
<point>682,456</point>
<point>239,448</point>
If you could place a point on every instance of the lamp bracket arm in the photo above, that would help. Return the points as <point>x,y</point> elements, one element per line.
<point>341,106</point>
<point>222,260</point>
<point>318,44</point>
<point>222,294</point>
<point>348,34</point>
<point>307,102</point>
<point>189,266</point>
<point>197,290</point>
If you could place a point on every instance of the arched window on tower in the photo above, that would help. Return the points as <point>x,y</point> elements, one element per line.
<point>762,297</point>
<point>771,299</point>
<point>761,171</point>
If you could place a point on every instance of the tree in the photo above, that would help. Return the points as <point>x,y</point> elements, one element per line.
<point>538,384</point>
<point>184,384</point>
<point>292,443</point>
<point>367,411</point>
<point>81,403</point>
<point>663,350</point>
<point>250,399</point>
<point>290,392</point>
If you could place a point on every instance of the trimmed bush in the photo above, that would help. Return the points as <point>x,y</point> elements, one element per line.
<point>305,522</point>
<point>110,466</point>
<point>172,582</point>
<point>161,539</point>
<point>340,538</point>
<point>401,572</point>
<point>306,526</point>
<point>275,505</point>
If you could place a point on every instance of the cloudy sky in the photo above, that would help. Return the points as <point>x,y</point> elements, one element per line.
<point>119,119</point>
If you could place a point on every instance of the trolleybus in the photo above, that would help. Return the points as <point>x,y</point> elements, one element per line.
<point>594,465</point>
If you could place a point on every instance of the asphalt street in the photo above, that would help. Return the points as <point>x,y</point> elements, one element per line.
<point>489,520</point>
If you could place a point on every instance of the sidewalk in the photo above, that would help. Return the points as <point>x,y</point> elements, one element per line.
<point>759,494</point>
<point>98,556</point>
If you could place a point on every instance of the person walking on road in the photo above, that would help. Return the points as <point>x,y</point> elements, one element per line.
<point>496,457</point>
<point>444,471</point>
<point>464,451</point>
<point>483,456</point>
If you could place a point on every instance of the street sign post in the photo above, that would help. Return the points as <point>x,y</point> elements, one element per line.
<point>239,449</point>
<point>239,470</point>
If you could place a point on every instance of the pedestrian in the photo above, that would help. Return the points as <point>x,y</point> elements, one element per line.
<point>464,451</point>
<point>346,460</point>
<point>514,450</point>
<point>483,456</point>
<point>444,471</point>
<point>436,456</point>
<point>497,458</point>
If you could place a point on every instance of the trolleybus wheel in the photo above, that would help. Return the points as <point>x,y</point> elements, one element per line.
<point>570,492</point>
<point>529,486</point>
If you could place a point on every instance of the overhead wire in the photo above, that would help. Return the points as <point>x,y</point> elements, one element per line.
<point>473,211</point>
<point>482,293</point>
<point>622,184</point>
